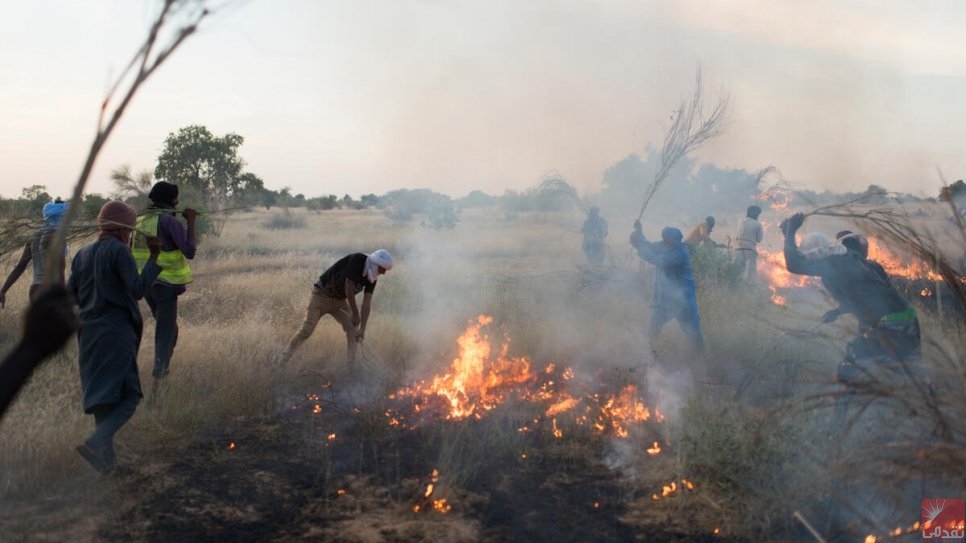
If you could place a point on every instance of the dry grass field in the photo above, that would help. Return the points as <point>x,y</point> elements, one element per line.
<point>552,420</point>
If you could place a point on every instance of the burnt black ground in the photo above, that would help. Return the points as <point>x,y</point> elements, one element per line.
<point>279,479</point>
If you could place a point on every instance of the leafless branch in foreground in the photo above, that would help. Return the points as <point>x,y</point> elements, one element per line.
<point>690,129</point>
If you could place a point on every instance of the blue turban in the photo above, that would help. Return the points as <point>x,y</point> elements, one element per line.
<point>672,234</point>
<point>54,211</point>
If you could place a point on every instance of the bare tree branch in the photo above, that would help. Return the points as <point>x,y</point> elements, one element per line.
<point>689,130</point>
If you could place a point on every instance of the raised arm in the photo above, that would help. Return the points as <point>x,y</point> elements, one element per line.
<point>795,261</point>
<point>15,274</point>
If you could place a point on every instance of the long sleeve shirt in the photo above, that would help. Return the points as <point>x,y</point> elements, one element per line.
<point>854,284</point>
<point>749,233</point>
<point>674,283</point>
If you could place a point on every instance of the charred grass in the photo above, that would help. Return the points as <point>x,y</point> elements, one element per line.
<point>741,443</point>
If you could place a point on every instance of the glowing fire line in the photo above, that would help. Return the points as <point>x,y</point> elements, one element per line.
<point>481,378</point>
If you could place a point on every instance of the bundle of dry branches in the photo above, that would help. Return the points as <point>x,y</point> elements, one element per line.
<point>689,130</point>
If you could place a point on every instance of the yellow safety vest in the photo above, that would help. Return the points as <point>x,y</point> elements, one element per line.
<point>174,265</point>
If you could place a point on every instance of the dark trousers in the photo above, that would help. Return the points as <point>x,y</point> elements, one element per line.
<point>163,301</point>
<point>108,419</point>
<point>686,313</point>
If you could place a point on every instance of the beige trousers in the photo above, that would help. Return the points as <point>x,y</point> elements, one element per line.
<point>320,305</point>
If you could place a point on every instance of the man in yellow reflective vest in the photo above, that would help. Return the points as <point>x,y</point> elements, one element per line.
<point>177,247</point>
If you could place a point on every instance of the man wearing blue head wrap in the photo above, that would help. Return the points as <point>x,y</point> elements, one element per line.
<point>35,249</point>
<point>674,295</point>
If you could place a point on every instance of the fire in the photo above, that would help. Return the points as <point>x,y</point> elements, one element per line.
<point>671,489</point>
<point>482,378</point>
<point>476,382</point>
<point>231,446</point>
<point>776,197</point>
<point>896,267</point>
<point>619,410</point>
<point>655,449</point>
<point>774,273</point>
<point>440,505</point>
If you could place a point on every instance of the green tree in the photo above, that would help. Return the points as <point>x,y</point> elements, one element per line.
<point>953,192</point>
<point>91,205</point>
<point>207,164</point>
<point>251,190</point>
<point>36,193</point>
<point>322,203</point>
<point>369,200</point>
<point>131,187</point>
<point>32,201</point>
<point>443,213</point>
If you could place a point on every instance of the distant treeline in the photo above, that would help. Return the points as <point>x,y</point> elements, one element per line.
<point>212,176</point>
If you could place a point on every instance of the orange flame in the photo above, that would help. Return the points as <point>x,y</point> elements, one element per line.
<point>774,273</point>
<point>479,380</point>
<point>440,505</point>
<point>618,411</point>
<point>474,380</point>
<point>777,198</point>
<point>772,270</point>
<point>897,267</point>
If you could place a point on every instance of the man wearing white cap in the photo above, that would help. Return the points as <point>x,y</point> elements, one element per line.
<point>335,294</point>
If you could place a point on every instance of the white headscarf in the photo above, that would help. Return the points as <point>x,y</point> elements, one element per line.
<point>818,245</point>
<point>379,258</point>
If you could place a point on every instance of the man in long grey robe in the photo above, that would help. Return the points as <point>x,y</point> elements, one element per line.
<point>104,279</point>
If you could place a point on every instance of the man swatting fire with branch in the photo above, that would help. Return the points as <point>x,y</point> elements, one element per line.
<point>335,294</point>
<point>888,325</point>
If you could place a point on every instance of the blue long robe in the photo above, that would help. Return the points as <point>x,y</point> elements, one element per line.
<point>105,281</point>
<point>675,293</point>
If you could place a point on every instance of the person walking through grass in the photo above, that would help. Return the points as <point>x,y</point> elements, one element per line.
<point>335,294</point>
<point>34,251</point>
<point>749,236</point>
<point>594,231</point>
<point>177,247</point>
<point>105,282</point>
<point>675,295</point>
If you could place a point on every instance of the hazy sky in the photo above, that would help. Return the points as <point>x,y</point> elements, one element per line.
<point>366,96</point>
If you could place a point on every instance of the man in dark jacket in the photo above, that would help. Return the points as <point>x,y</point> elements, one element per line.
<point>335,294</point>
<point>675,295</point>
<point>106,284</point>
<point>888,325</point>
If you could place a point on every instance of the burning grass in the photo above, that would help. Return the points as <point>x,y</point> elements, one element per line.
<point>500,397</point>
